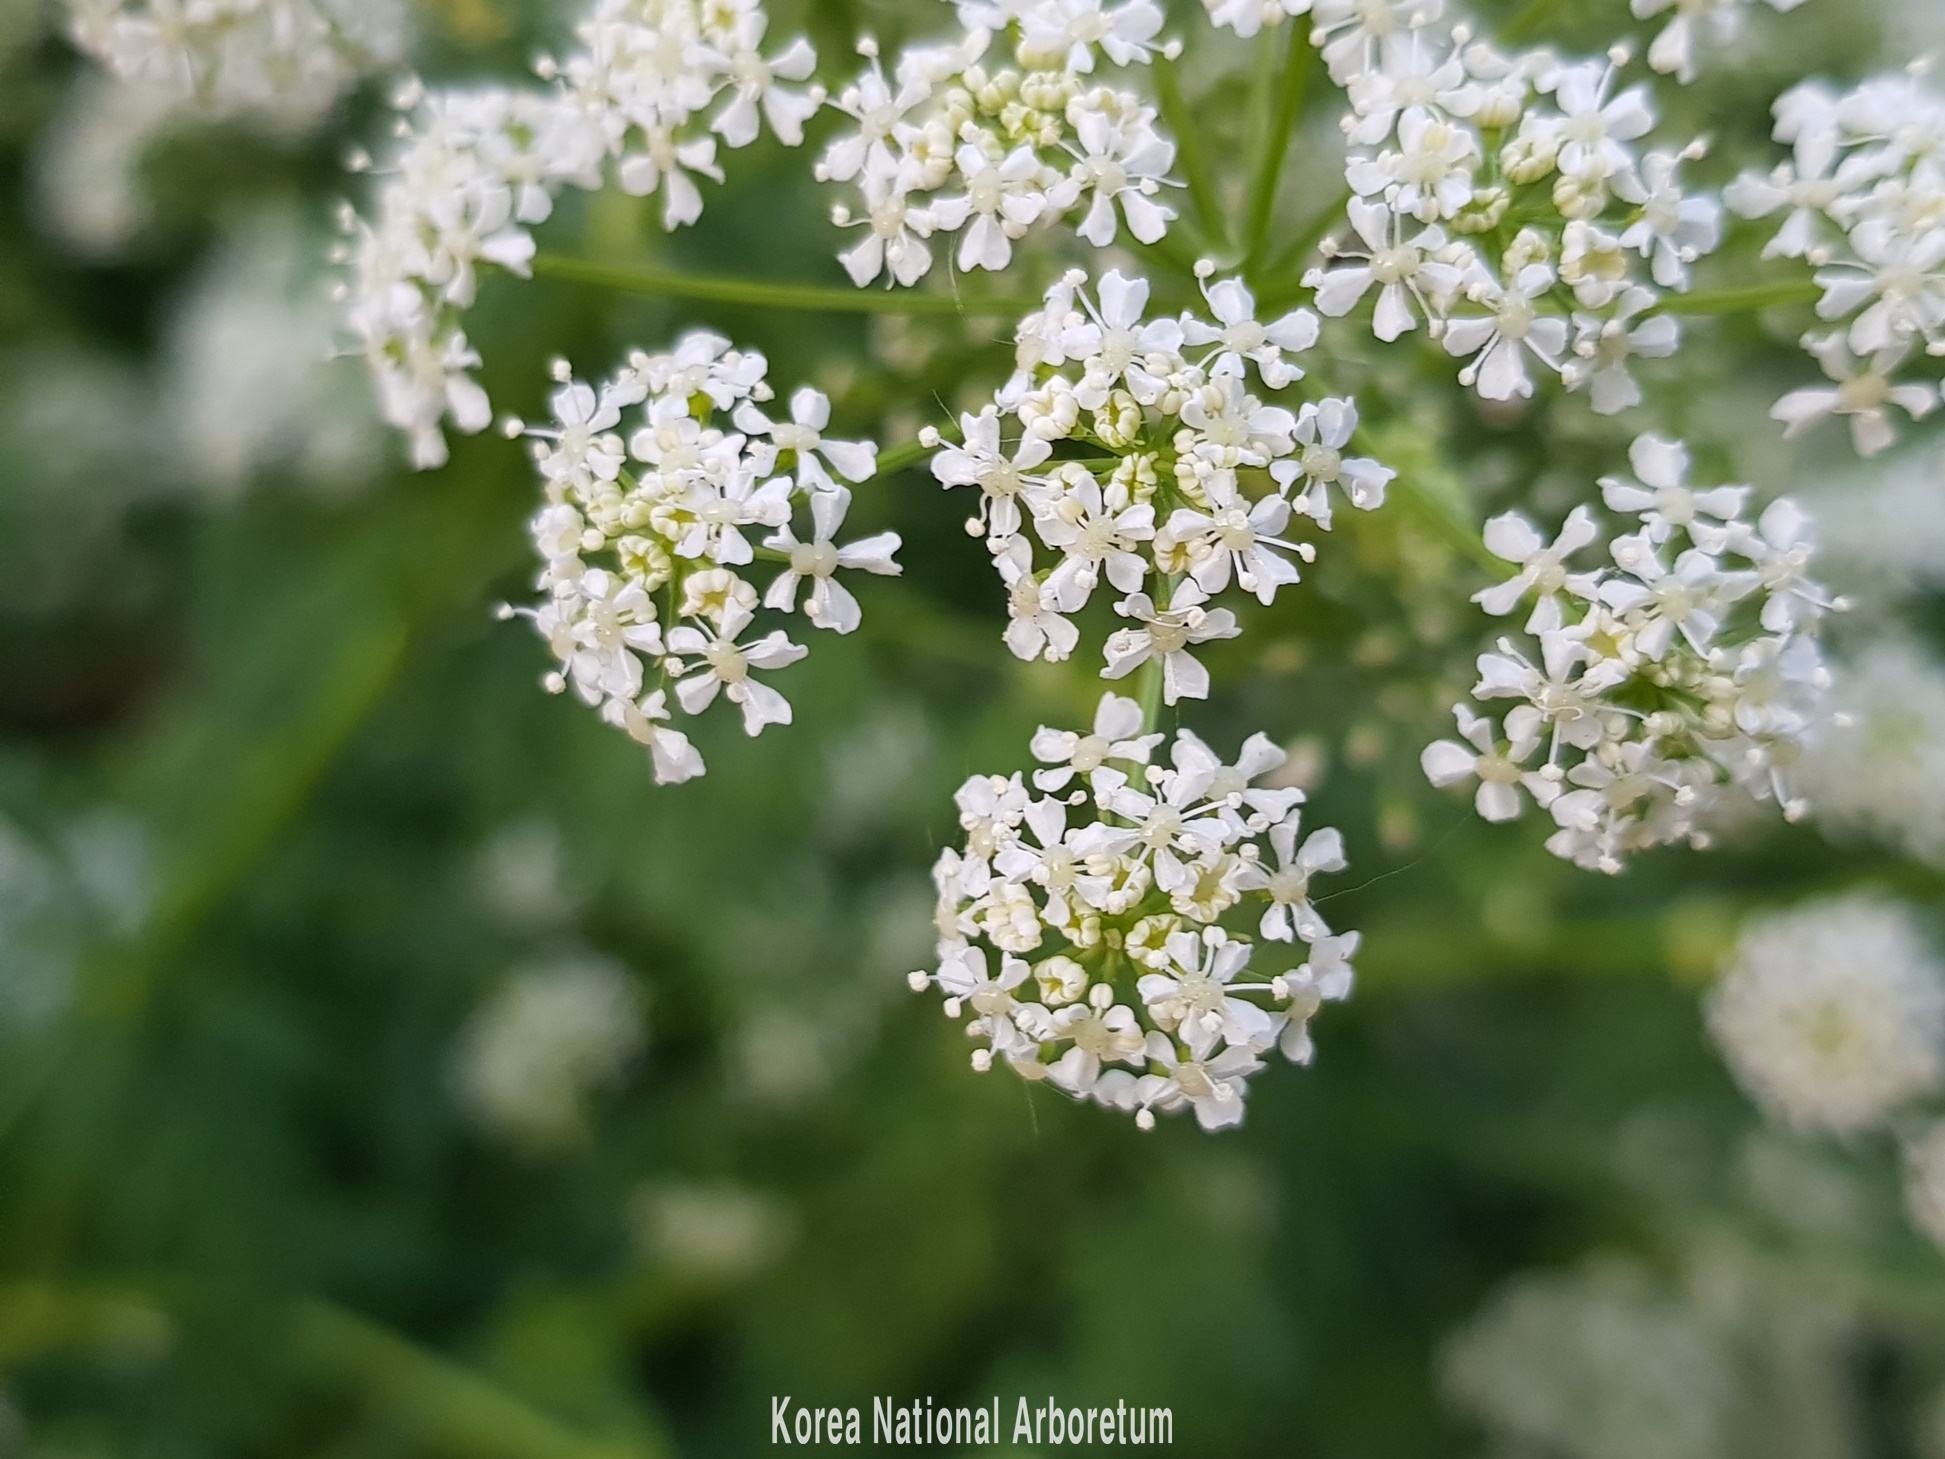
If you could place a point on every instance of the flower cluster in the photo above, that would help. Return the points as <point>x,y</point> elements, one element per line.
<point>1506,201</point>
<point>654,85</point>
<point>284,61</point>
<point>1090,952</point>
<point>1688,667</point>
<point>957,142</point>
<point>661,516</point>
<point>1832,1015</point>
<point>1863,201</point>
<point>1139,450</point>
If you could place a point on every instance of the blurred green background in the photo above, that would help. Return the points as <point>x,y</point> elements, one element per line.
<point>387,1067</point>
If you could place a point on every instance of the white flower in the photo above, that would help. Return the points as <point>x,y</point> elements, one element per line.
<point>727,665</point>
<point>1352,32</point>
<point>895,242</point>
<point>1168,634</point>
<point>803,436</point>
<point>1003,198</point>
<point>1091,538</point>
<point>1659,602</point>
<point>1603,347</point>
<point>1246,17</point>
<point>1241,535</point>
<point>674,758</point>
<point>1237,336</point>
<point>1673,228</point>
<point>1592,126</point>
<point>1324,429</point>
<point>982,461</point>
<point>1213,1088</point>
<point>1035,628</point>
<point>1290,912</point>
<point>1832,1015</point>
<point>1413,70</point>
<point>1542,566</point>
<point>1190,999</point>
<point>1117,346</point>
<point>1116,735</point>
<point>1502,339</point>
<point>1663,500</point>
<point>1063,34</point>
<point>1864,391</point>
<point>1672,52</point>
<point>1405,270</point>
<point>754,90</point>
<point>1428,174</point>
<point>830,604</point>
<point>1897,281</point>
<point>1500,772</point>
<point>1117,161</point>
<point>1098,1036</point>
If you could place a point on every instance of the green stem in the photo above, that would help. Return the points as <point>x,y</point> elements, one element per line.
<point>1282,122</point>
<point>1746,300</point>
<point>897,458</point>
<point>1148,679</point>
<point>1188,152</point>
<point>1283,278</point>
<point>1426,489</point>
<point>668,283</point>
<point>1148,693</point>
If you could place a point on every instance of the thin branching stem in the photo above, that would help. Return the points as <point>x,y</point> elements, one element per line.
<point>1745,300</point>
<point>1189,155</point>
<point>637,278</point>
<point>1281,120</point>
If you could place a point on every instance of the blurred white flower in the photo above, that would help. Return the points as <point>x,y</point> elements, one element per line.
<point>281,62</point>
<point>1924,1181</point>
<point>520,878</point>
<point>1878,765</point>
<point>87,164</point>
<point>1832,1015</point>
<point>713,1233</point>
<point>251,384</point>
<point>1600,1364</point>
<point>551,1037</point>
<point>1883,527</point>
